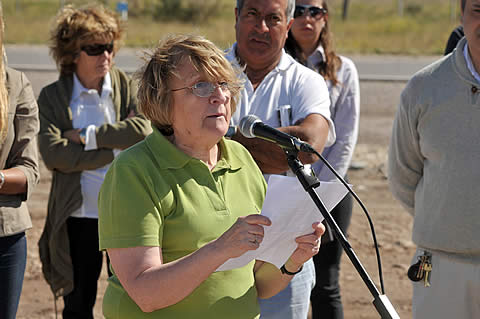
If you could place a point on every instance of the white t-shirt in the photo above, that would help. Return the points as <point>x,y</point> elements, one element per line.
<point>288,84</point>
<point>90,110</point>
<point>286,96</point>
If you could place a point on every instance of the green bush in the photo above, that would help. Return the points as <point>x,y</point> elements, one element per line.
<point>413,9</point>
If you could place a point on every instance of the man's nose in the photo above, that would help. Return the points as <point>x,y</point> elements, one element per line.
<point>261,25</point>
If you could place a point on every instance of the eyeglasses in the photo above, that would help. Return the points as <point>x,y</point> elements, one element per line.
<point>314,12</point>
<point>97,49</point>
<point>205,89</point>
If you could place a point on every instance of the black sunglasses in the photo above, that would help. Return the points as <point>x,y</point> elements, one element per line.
<point>97,49</point>
<point>314,12</point>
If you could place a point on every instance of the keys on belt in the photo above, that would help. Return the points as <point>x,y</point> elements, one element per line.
<point>421,269</point>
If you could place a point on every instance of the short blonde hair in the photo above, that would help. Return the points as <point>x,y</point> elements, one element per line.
<point>74,28</point>
<point>154,91</point>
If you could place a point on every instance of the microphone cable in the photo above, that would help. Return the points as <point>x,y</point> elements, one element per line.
<point>372,229</point>
<point>246,127</point>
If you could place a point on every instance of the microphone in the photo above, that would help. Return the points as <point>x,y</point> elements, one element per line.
<point>251,126</point>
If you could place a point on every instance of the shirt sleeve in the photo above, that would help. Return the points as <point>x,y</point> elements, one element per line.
<point>58,152</point>
<point>311,97</point>
<point>405,160</point>
<point>346,118</point>
<point>129,212</point>
<point>132,127</point>
<point>90,138</point>
<point>23,154</point>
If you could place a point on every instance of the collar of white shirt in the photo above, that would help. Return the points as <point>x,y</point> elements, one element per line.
<point>78,87</point>
<point>285,61</point>
<point>470,65</point>
<point>316,57</point>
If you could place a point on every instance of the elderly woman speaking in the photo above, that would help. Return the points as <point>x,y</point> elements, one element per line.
<point>176,206</point>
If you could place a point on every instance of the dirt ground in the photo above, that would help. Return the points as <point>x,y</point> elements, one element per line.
<point>392,223</point>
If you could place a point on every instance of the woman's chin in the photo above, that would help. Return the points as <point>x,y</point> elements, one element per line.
<point>218,125</point>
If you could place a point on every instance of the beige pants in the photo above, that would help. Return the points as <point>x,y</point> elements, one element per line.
<point>454,290</point>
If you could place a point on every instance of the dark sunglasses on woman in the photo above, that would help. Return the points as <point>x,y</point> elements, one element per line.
<point>314,12</point>
<point>97,49</point>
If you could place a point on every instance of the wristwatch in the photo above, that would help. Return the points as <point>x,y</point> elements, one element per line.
<point>286,272</point>
<point>82,134</point>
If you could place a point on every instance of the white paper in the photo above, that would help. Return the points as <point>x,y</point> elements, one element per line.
<point>292,212</point>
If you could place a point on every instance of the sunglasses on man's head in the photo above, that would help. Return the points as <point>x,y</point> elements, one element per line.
<point>314,12</point>
<point>97,49</point>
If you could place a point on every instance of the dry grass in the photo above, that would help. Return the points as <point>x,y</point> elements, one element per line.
<point>372,26</point>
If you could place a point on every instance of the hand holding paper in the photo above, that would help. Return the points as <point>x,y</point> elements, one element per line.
<point>245,235</point>
<point>307,245</point>
<point>292,213</point>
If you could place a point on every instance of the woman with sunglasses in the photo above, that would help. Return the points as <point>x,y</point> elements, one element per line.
<point>86,117</point>
<point>310,42</point>
<point>19,173</point>
<point>176,206</point>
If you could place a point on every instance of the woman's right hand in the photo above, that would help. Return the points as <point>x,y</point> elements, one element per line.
<point>246,234</point>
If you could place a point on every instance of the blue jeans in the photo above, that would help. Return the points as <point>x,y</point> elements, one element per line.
<point>293,301</point>
<point>13,260</point>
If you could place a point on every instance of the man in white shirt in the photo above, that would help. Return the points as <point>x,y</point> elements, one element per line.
<point>286,95</point>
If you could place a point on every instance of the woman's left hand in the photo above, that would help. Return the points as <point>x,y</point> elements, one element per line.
<point>308,245</point>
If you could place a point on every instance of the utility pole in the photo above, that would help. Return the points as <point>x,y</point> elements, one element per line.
<point>345,10</point>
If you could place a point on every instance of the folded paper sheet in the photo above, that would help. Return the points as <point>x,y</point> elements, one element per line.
<point>292,213</point>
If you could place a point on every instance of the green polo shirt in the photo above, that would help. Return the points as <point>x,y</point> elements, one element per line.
<point>156,195</point>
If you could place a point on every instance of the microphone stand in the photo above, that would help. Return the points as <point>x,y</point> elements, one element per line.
<point>309,183</point>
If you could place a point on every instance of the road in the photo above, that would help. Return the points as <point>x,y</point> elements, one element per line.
<point>370,67</point>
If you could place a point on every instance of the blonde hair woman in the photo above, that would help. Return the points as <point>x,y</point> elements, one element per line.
<point>176,206</point>
<point>19,174</point>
